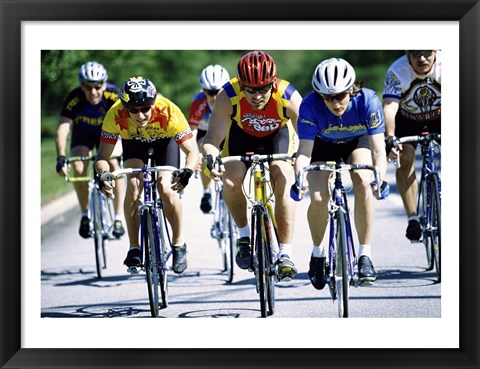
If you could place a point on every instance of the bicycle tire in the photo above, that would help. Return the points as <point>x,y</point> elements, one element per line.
<point>342,263</point>
<point>223,234</point>
<point>162,265</point>
<point>151,264</point>
<point>99,241</point>
<point>435,233</point>
<point>422,206</point>
<point>259,266</point>
<point>270,268</point>
<point>230,247</point>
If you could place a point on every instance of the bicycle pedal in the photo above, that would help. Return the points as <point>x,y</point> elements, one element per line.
<point>133,270</point>
<point>365,283</point>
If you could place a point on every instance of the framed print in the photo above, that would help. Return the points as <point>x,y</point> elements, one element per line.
<point>21,94</point>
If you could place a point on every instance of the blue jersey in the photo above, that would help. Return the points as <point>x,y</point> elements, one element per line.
<point>364,115</point>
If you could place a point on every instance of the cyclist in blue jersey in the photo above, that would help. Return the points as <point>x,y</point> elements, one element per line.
<point>340,120</point>
<point>83,112</point>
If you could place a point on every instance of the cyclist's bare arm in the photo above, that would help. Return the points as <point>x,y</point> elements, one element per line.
<point>63,130</point>
<point>390,109</point>
<point>217,129</point>
<point>294,108</point>
<point>104,153</point>
<point>377,147</point>
<point>190,148</point>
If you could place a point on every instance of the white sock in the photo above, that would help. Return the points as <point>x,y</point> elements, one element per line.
<point>85,213</point>
<point>118,216</point>
<point>207,190</point>
<point>244,231</point>
<point>285,249</point>
<point>365,250</point>
<point>318,251</point>
<point>413,217</point>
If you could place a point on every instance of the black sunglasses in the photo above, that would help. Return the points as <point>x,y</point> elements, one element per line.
<point>338,97</point>
<point>417,54</point>
<point>258,90</point>
<point>144,109</point>
<point>91,87</point>
<point>212,92</point>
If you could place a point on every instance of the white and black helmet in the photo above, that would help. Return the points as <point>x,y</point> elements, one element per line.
<point>213,77</point>
<point>92,72</point>
<point>333,76</point>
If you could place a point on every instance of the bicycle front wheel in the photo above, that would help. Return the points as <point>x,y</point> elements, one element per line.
<point>230,246</point>
<point>341,265</point>
<point>151,263</point>
<point>260,262</point>
<point>435,231</point>
<point>162,262</point>
<point>422,212</point>
<point>270,267</point>
<point>99,241</point>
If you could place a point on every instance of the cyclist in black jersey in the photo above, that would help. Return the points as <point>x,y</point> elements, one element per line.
<point>83,112</point>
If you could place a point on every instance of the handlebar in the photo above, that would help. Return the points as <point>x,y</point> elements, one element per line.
<point>73,159</point>
<point>418,139</point>
<point>256,158</point>
<point>333,166</point>
<point>160,168</point>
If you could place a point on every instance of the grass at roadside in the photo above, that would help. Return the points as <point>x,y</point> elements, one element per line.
<point>53,185</point>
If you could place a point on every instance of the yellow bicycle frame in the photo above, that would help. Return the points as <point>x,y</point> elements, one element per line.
<point>260,191</point>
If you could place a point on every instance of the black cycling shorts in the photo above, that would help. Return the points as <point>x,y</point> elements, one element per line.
<point>82,137</point>
<point>326,151</point>
<point>406,127</point>
<point>165,151</point>
<point>240,142</point>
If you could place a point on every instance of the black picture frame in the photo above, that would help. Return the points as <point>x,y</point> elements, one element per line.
<point>12,355</point>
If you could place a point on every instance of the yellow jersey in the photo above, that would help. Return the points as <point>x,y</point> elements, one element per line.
<point>167,121</point>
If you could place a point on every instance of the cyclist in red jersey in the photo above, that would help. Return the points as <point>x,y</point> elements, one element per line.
<point>212,78</point>
<point>83,112</point>
<point>256,112</point>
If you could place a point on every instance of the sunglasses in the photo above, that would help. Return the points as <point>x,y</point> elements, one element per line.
<point>212,92</point>
<point>258,90</point>
<point>90,87</point>
<point>419,53</point>
<point>338,97</point>
<point>143,110</point>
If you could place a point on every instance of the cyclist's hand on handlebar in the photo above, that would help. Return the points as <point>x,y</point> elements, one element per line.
<point>384,190</point>
<point>296,192</point>
<point>180,179</point>
<point>391,147</point>
<point>107,182</point>
<point>213,167</point>
<point>62,166</point>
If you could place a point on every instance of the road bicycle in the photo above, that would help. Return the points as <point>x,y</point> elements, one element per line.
<point>341,272</point>
<point>264,237</point>
<point>429,196</point>
<point>100,213</point>
<point>224,230</point>
<point>155,240</point>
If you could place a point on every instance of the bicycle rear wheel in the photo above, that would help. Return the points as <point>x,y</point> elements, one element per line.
<point>99,241</point>
<point>341,265</point>
<point>162,263</point>
<point>435,231</point>
<point>260,265</point>
<point>151,263</point>
<point>230,246</point>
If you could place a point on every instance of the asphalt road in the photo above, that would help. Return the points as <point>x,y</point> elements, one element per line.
<point>70,288</point>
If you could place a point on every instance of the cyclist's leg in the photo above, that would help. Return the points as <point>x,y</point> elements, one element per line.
<point>133,201</point>
<point>80,170</point>
<point>233,193</point>
<point>119,191</point>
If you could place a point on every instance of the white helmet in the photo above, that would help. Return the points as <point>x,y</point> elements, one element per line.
<point>333,76</point>
<point>213,77</point>
<point>92,72</point>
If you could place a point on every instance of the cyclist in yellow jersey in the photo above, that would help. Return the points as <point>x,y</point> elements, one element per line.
<point>148,121</point>
<point>256,112</point>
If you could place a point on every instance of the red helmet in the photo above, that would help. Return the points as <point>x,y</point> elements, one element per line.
<point>256,69</point>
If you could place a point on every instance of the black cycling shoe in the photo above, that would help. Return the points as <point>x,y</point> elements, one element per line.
<point>84,227</point>
<point>179,254</point>
<point>118,230</point>
<point>134,258</point>
<point>366,272</point>
<point>316,272</point>
<point>414,230</point>
<point>244,254</point>
<point>206,203</point>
